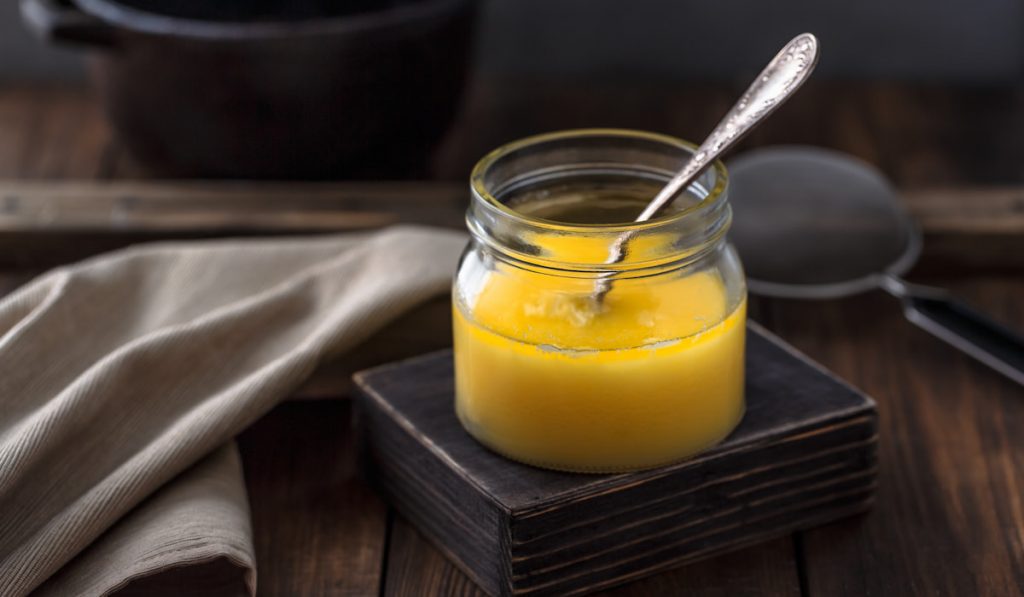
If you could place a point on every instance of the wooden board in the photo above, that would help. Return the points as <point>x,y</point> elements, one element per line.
<point>949,518</point>
<point>305,492</point>
<point>804,454</point>
<point>45,223</point>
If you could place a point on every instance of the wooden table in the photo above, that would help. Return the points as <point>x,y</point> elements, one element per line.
<point>949,519</point>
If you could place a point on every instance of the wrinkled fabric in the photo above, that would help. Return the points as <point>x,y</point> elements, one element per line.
<point>119,374</point>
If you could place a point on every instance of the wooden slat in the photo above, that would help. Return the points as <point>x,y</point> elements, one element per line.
<point>196,207</point>
<point>949,517</point>
<point>45,223</point>
<point>17,120</point>
<point>70,137</point>
<point>415,567</point>
<point>917,134</point>
<point>318,529</point>
<point>923,134</point>
<point>970,229</point>
<point>166,207</point>
<point>51,133</point>
<point>426,328</point>
<point>968,211</point>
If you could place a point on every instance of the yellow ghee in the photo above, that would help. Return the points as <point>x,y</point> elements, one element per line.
<point>651,377</point>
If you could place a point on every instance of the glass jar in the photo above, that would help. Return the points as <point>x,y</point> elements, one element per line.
<point>551,373</point>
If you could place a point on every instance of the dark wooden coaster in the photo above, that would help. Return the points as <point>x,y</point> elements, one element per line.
<point>805,454</point>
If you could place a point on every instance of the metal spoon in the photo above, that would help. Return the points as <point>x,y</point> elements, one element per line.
<point>776,83</point>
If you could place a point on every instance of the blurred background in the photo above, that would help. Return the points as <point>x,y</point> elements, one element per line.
<point>931,91</point>
<point>967,41</point>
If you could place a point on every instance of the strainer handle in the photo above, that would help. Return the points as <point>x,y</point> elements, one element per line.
<point>937,312</point>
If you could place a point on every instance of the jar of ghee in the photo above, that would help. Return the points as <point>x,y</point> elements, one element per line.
<point>547,374</point>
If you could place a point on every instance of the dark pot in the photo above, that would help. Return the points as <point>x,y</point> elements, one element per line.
<point>233,89</point>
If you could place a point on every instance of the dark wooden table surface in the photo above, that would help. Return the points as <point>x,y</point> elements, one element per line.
<point>949,518</point>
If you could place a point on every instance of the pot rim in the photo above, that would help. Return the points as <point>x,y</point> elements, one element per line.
<point>141,21</point>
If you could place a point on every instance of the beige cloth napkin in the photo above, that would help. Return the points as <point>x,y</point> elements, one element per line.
<point>118,374</point>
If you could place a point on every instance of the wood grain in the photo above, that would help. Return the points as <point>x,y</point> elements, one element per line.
<point>18,115</point>
<point>983,210</point>
<point>804,454</point>
<point>51,133</point>
<point>318,528</point>
<point>950,513</point>
<point>196,206</point>
<point>425,328</point>
<point>917,134</point>
<point>415,567</point>
<point>46,223</point>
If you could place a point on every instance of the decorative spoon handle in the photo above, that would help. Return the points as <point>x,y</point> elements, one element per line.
<point>776,83</point>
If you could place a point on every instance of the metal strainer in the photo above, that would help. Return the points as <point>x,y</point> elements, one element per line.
<point>813,223</point>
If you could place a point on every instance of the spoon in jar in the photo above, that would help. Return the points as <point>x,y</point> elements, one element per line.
<point>790,68</point>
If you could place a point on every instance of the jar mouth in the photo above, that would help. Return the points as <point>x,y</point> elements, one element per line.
<point>480,189</point>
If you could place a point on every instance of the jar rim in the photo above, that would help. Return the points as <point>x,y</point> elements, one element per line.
<point>479,187</point>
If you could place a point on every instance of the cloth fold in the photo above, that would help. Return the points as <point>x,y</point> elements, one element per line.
<point>119,373</point>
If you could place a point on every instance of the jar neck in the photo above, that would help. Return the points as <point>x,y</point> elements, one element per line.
<point>600,159</point>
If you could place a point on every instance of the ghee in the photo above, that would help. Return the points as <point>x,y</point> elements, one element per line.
<point>653,376</point>
<point>547,375</point>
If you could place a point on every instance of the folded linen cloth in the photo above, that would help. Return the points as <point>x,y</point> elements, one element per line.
<point>120,373</point>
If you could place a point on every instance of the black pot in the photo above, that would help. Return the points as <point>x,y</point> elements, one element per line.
<point>242,89</point>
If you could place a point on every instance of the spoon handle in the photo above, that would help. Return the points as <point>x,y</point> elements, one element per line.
<point>783,75</point>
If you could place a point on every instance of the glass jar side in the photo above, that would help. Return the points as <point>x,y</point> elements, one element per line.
<point>651,375</point>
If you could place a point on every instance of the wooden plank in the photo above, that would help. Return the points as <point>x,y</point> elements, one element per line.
<point>18,117</point>
<point>318,528</point>
<point>966,211</point>
<point>768,569</point>
<point>210,206</point>
<point>45,223</point>
<point>193,206</point>
<point>939,135</point>
<point>69,137</point>
<point>426,328</point>
<point>54,222</point>
<point>415,567</point>
<point>969,229</point>
<point>949,517</point>
<point>51,133</point>
<point>190,206</point>
<point>918,134</point>
<point>170,205</point>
